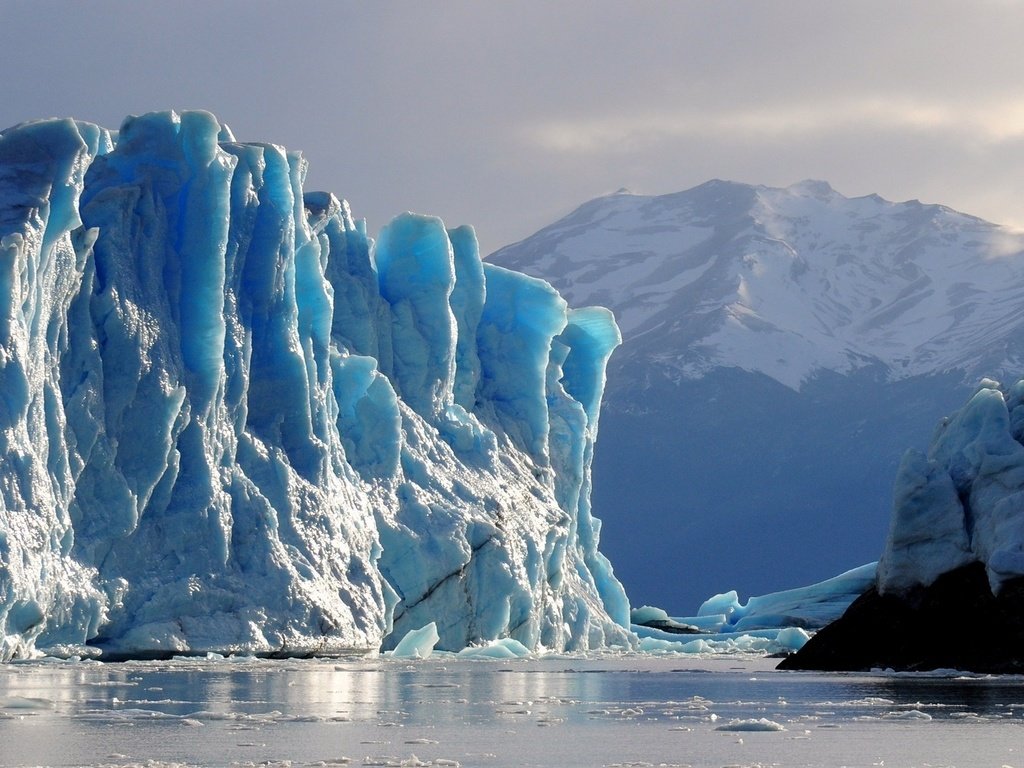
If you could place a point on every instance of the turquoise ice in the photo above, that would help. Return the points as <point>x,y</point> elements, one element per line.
<point>230,421</point>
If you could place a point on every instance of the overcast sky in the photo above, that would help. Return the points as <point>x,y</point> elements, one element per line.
<point>509,115</point>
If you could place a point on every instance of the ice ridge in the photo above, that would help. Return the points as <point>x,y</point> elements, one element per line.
<point>230,421</point>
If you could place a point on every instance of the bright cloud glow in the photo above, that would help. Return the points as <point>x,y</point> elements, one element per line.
<point>989,122</point>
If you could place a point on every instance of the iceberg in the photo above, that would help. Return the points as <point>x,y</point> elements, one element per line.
<point>779,622</point>
<point>230,421</point>
<point>506,648</point>
<point>417,643</point>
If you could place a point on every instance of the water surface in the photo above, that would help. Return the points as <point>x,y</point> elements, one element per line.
<point>608,711</point>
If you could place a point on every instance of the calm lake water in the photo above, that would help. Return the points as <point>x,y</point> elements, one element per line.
<point>606,711</point>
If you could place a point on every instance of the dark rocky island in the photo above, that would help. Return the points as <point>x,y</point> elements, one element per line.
<point>956,623</point>
<point>950,587</point>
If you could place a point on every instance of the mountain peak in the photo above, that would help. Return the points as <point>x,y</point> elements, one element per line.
<point>812,188</point>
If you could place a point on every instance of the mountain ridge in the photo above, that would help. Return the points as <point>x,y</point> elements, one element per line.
<point>827,276</point>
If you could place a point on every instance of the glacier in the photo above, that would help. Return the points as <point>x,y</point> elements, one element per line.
<point>230,421</point>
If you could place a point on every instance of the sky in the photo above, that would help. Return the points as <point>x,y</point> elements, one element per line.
<point>509,115</point>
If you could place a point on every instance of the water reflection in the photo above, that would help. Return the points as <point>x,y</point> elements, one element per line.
<point>984,696</point>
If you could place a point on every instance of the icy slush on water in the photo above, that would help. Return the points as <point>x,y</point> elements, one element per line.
<point>553,711</point>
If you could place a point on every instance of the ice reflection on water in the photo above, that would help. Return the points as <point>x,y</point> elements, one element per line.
<point>547,712</point>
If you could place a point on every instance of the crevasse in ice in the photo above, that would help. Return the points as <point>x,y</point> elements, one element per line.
<point>229,421</point>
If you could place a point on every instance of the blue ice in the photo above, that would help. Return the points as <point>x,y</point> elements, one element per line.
<point>231,421</point>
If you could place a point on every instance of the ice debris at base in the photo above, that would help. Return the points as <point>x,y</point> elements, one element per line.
<point>963,501</point>
<point>773,623</point>
<point>762,641</point>
<point>506,648</point>
<point>647,614</point>
<point>417,643</point>
<point>810,607</point>
<point>230,422</point>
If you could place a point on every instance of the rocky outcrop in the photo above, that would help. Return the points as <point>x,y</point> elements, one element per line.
<point>955,623</point>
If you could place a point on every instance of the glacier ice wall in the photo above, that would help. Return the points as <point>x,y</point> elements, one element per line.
<point>230,421</point>
<point>963,501</point>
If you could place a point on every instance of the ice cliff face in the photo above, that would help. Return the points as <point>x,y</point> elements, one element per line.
<point>962,502</point>
<point>230,421</point>
<point>954,555</point>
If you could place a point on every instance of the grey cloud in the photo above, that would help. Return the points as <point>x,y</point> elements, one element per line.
<point>438,107</point>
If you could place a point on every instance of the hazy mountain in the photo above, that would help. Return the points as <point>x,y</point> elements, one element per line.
<point>782,348</point>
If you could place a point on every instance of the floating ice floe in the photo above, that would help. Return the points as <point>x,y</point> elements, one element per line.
<point>758,724</point>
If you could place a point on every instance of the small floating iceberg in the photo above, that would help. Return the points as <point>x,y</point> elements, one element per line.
<point>417,643</point>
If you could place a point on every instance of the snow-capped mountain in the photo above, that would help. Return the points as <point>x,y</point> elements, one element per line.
<point>788,282</point>
<point>782,347</point>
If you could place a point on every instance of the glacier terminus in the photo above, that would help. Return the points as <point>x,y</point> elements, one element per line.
<point>230,421</point>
